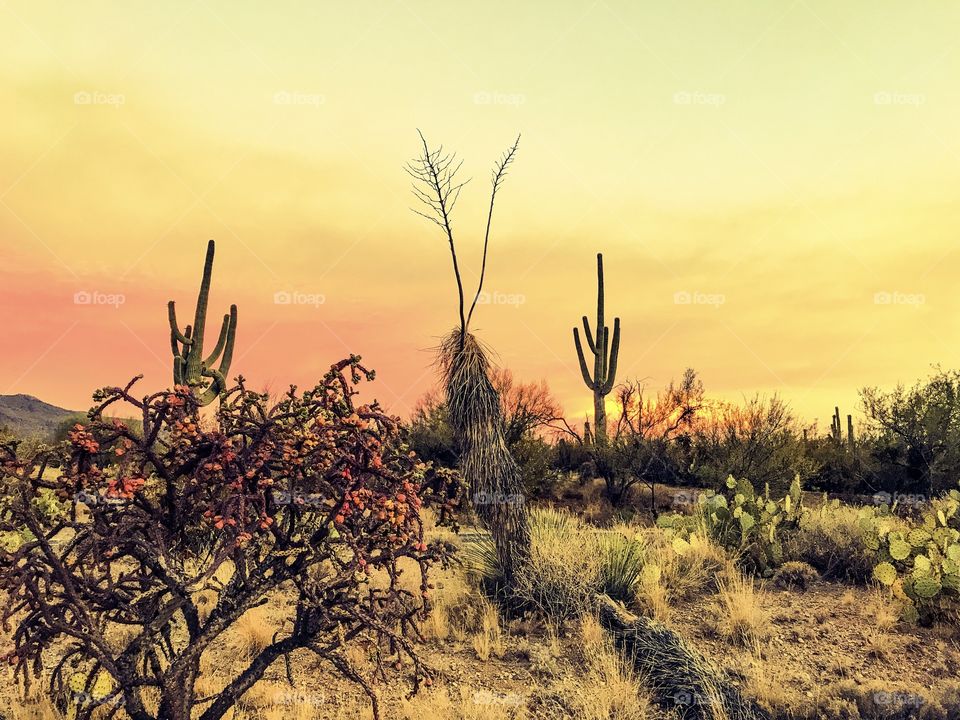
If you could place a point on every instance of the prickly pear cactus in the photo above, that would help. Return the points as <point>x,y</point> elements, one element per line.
<point>744,521</point>
<point>922,565</point>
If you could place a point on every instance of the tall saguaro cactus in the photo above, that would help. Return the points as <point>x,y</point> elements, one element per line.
<point>604,359</point>
<point>189,365</point>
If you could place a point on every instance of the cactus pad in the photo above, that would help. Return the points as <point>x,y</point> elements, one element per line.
<point>885,573</point>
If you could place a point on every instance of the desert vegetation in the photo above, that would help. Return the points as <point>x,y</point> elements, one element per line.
<point>207,551</point>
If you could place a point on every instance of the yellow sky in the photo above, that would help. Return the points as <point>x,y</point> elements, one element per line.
<point>781,163</point>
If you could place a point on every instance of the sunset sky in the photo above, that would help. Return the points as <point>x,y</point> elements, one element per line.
<point>790,167</point>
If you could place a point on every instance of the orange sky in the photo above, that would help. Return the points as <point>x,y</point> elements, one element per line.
<point>791,166</point>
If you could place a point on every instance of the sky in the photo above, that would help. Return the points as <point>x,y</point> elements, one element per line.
<point>772,185</point>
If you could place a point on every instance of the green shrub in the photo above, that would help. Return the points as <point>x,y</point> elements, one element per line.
<point>837,540</point>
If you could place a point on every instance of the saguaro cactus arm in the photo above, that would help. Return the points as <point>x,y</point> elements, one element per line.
<point>610,363</point>
<point>189,365</point>
<point>584,370</point>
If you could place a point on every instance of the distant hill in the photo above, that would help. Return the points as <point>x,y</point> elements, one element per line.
<point>25,415</point>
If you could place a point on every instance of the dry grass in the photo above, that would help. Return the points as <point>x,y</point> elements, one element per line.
<point>742,618</point>
<point>882,610</point>
<point>653,597</point>
<point>768,685</point>
<point>488,641</point>
<point>464,704</point>
<point>608,687</point>
<point>253,632</point>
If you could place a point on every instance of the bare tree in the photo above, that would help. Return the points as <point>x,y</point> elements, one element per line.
<point>527,406</point>
<point>760,440</point>
<point>647,427</point>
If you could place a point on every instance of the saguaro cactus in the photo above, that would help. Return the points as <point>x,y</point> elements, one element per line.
<point>189,365</point>
<point>604,359</point>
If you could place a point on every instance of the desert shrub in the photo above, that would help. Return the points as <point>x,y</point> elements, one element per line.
<point>430,433</point>
<point>622,556</point>
<point>795,575</point>
<point>564,567</point>
<point>538,472</point>
<point>760,440</point>
<point>918,445</point>
<point>922,564</point>
<point>314,498</point>
<point>835,539</point>
<point>571,456</point>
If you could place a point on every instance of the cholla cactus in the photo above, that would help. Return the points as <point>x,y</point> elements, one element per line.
<point>189,366</point>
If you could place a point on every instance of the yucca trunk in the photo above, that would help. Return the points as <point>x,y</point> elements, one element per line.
<point>489,470</point>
